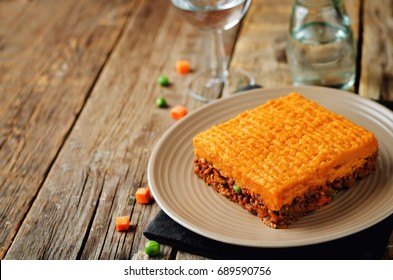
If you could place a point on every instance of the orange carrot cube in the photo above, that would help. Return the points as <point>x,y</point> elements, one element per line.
<point>143,196</point>
<point>182,66</point>
<point>122,223</point>
<point>178,112</point>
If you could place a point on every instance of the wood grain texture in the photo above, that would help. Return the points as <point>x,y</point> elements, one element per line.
<point>50,55</point>
<point>377,56</point>
<point>261,45</point>
<point>78,119</point>
<point>105,157</point>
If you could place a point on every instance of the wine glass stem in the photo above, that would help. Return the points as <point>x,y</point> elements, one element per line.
<point>218,61</point>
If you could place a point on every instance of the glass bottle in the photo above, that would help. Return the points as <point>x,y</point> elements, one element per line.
<point>320,47</point>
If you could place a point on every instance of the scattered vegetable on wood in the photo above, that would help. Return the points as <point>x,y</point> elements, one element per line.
<point>163,81</point>
<point>143,196</point>
<point>182,66</point>
<point>161,102</point>
<point>122,223</point>
<point>152,248</point>
<point>178,112</point>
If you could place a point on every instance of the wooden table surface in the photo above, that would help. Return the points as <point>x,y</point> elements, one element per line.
<point>78,119</point>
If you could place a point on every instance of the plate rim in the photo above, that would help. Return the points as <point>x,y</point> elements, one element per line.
<point>286,90</point>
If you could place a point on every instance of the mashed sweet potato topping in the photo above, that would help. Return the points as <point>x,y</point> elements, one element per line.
<point>285,147</point>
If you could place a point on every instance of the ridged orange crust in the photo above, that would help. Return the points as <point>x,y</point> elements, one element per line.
<point>284,147</point>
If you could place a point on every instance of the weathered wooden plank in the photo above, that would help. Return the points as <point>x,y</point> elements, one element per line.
<point>261,45</point>
<point>105,156</point>
<point>187,256</point>
<point>377,56</point>
<point>50,55</point>
<point>10,14</point>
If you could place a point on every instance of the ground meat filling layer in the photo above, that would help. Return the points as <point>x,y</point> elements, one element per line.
<point>288,214</point>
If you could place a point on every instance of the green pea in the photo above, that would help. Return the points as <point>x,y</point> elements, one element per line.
<point>131,200</point>
<point>237,189</point>
<point>152,248</point>
<point>161,102</point>
<point>163,81</point>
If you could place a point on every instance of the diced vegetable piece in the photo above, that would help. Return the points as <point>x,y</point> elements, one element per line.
<point>143,196</point>
<point>122,223</point>
<point>182,66</point>
<point>161,102</point>
<point>178,112</point>
<point>152,248</point>
<point>131,200</point>
<point>237,189</point>
<point>163,81</point>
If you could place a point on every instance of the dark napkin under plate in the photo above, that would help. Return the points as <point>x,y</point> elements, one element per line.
<point>368,244</point>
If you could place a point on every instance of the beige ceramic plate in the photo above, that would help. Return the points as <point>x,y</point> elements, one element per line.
<point>187,200</point>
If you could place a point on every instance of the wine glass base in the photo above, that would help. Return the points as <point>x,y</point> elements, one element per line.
<point>206,88</point>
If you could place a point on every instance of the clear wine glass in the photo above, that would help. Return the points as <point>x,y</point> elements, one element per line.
<point>215,16</point>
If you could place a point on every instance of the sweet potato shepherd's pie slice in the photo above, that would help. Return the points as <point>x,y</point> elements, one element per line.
<point>284,158</point>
